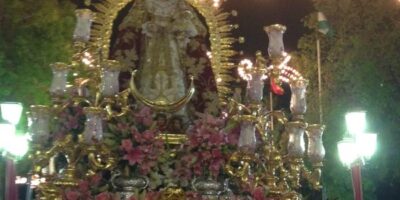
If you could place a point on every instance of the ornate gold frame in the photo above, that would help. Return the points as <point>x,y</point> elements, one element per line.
<point>216,20</point>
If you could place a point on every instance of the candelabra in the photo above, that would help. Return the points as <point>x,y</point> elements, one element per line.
<point>277,161</point>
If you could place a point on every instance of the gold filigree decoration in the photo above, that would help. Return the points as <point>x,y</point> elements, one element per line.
<point>218,26</point>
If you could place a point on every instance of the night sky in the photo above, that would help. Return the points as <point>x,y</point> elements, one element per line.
<point>255,14</point>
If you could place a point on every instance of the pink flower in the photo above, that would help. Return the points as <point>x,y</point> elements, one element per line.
<point>144,116</point>
<point>205,155</point>
<point>183,173</point>
<point>122,127</point>
<point>215,166</point>
<point>134,156</point>
<point>126,145</point>
<point>72,195</point>
<point>233,138</point>
<point>188,159</point>
<point>216,138</point>
<point>210,120</point>
<point>204,132</point>
<point>103,196</point>
<point>148,135</point>
<point>216,153</point>
<point>194,141</point>
<point>159,144</point>
<point>197,169</point>
<point>258,193</point>
<point>145,148</point>
<point>193,196</point>
<point>145,167</point>
<point>138,137</point>
<point>152,196</point>
<point>95,180</point>
<point>83,186</point>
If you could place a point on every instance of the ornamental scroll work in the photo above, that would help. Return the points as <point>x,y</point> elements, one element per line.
<point>215,22</point>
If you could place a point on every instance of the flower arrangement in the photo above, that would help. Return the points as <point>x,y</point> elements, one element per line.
<point>142,150</point>
<point>137,144</point>
<point>211,141</point>
<point>206,151</point>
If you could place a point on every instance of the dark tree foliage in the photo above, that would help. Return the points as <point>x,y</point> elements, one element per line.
<point>360,69</point>
<point>33,34</point>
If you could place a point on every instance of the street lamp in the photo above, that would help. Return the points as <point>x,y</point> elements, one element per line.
<point>356,147</point>
<point>11,112</point>
<point>11,144</point>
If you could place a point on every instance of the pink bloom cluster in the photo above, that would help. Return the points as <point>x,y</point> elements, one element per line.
<point>206,150</point>
<point>83,191</point>
<point>144,116</point>
<point>142,150</point>
<point>70,120</point>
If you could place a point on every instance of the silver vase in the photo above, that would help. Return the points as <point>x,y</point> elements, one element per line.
<point>207,187</point>
<point>127,187</point>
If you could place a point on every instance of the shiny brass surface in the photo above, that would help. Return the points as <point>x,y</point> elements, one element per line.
<point>173,193</point>
<point>170,138</point>
<point>100,158</point>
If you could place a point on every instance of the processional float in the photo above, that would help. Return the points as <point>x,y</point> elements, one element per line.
<point>268,161</point>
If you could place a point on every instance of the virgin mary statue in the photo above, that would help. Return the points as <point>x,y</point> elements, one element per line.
<point>165,40</point>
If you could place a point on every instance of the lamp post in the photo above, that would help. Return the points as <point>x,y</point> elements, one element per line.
<point>11,144</point>
<point>356,147</point>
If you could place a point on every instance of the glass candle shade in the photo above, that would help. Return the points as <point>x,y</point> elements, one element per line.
<point>109,78</point>
<point>94,125</point>
<point>296,145</point>
<point>298,104</point>
<point>59,83</point>
<point>247,138</point>
<point>84,19</point>
<point>40,118</point>
<point>275,33</point>
<point>316,150</point>
<point>255,88</point>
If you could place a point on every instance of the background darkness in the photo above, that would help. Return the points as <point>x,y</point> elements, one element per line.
<point>255,14</point>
